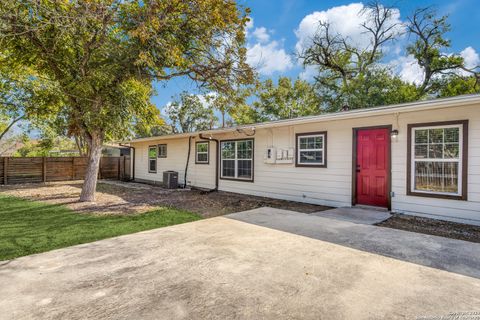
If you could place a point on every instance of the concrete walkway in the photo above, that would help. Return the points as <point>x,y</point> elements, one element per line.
<point>443,253</point>
<point>223,268</point>
<point>355,215</point>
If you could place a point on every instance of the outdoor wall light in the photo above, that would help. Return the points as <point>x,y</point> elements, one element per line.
<point>394,133</point>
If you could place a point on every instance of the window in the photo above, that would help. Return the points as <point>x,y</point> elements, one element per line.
<point>237,159</point>
<point>438,157</point>
<point>162,150</point>
<point>201,154</point>
<point>312,149</point>
<point>152,159</point>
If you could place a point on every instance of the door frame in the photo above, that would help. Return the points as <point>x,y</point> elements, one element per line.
<point>354,163</point>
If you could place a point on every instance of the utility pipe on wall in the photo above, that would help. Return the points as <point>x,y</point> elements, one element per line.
<point>217,148</point>
<point>188,160</point>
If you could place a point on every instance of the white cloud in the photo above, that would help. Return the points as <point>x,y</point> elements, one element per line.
<point>265,55</point>
<point>249,24</point>
<point>269,58</point>
<point>308,73</point>
<point>408,69</point>
<point>261,34</point>
<point>345,20</point>
<point>471,57</point>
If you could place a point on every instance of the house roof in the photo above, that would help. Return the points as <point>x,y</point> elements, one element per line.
<point>357,113</point>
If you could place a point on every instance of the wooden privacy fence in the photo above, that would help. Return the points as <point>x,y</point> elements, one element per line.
<point>44,169</point>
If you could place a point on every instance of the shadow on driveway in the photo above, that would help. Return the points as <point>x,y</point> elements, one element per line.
<point>452,255</point>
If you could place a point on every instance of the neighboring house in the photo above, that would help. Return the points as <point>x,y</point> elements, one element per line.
<point>114,150</point>
<point>419,158</point>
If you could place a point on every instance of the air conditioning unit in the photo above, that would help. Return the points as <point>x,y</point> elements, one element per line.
<point>270,155</point>
<point>170,179</point>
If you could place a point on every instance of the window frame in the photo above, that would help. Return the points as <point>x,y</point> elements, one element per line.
<point>324,149</point>
<point>158,150</point>
<point>462,161</point>
<point>207,152</point>
<point>236,160</point>
<point>152,158</point>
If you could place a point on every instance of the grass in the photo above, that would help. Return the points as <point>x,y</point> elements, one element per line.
<point>28,227</point>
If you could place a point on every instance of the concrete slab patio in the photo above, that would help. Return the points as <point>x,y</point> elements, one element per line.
<point>222,268</point>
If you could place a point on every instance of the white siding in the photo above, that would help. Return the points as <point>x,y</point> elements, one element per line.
<point>333,185</point>
<point>199,175</point>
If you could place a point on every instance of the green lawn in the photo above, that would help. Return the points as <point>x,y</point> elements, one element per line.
<point>28,227</point>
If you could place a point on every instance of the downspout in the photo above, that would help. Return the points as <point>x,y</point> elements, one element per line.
<point>188,160</point>
<point>132,178</point>
<point>217,147</point>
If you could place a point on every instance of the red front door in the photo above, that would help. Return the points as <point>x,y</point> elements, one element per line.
<point>372,167</point>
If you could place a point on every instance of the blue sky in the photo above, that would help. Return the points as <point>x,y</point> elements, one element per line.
<point>280,25</point>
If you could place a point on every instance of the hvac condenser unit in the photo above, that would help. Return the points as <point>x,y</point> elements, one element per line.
<point>170,179</point>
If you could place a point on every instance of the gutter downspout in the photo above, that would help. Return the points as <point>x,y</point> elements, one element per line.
<point>132,178</point>
<point>188,160</point>
<point>217,147</point>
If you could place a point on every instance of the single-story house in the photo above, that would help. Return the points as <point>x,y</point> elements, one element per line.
<point>420,158</point>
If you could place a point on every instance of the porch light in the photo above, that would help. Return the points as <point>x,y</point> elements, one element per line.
<point>394,133</point>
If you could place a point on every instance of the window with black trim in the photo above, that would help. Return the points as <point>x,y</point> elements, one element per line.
<point>311,149</point>
<point>237,159</point>
<point>162,150</point>
<point>201,152</point>
<point>152,159</point>
<point>438,154</point>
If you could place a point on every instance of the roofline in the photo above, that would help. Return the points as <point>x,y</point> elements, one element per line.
<point>357,113</point>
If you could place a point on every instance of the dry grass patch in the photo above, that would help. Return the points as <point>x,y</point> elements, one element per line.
<point>115,197</point>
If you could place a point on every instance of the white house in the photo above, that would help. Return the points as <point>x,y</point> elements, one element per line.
<point>420,158</point>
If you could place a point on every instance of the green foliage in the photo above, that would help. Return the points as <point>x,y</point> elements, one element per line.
<point>356,77</point>
<point>454,86</point>
<point>47,146</point>
<point>23,96</point>
<point>286,100</point>
<point>187,113</point>
<point>429,32</point>
<point>102,57</point>
<point>31,227</point>
<point>104,54</point>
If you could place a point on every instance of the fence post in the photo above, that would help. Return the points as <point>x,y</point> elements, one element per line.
<point>118,169</point>
<point>44,170</point>
<point>73,168</point>
<point>123,172</point>
<point>5,171</point>
<point>100,168</point>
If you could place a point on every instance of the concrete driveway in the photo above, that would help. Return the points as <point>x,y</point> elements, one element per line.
<point>223,268</point>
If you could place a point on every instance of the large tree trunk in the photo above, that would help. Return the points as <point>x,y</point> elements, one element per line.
<point>90,182</point>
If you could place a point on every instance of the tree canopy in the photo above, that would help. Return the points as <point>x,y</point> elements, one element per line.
<point>286,100</point>
<point>103,56</point>
<point>348,74</point>
<point>188,113</point>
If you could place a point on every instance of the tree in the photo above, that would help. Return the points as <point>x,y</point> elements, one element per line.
<point>187,113</point>
<point>103,55</point>
<point>345,70</point>
<point>429,49</point>
<point>23,96</point>
<point>286,100</point>
<point>229,104</point>
<point>348,74</point>
<point>457,85</point>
